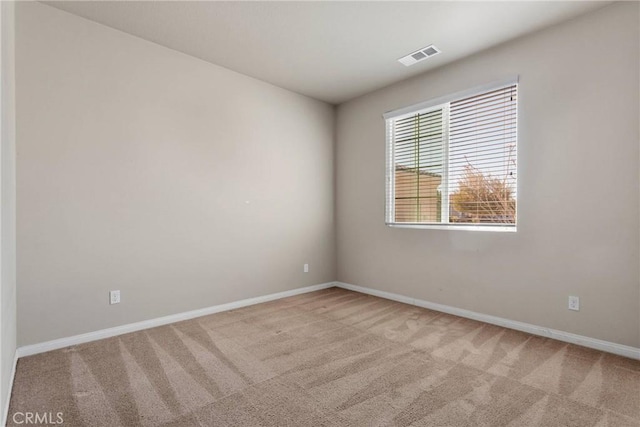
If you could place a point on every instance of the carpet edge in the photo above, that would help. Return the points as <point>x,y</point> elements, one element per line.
<point>31,349</point>
<point>594,343</point>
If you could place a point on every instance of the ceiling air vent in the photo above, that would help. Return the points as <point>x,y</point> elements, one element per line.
<point>419,55</point>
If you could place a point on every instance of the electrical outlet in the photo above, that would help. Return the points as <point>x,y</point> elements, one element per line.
<point>114,297</point>
<point>306,268</point>
<point>574,303</point>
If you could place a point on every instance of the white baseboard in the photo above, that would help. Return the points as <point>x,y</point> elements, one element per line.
<point>5,413</point>
<point>609,347</point>
<point>29,350</point>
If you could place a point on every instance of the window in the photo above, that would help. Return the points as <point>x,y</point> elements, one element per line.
<point>451,162</point>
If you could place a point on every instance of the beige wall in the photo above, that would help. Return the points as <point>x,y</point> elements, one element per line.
<point>578,216</point>
<point>8,203</point>
<point>136,163</point>
<point>180,183</point>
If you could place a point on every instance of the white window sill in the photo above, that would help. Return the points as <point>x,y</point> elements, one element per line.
<point>468,227</point>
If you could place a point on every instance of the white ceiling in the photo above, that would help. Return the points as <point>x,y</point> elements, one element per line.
<point>332,51</point>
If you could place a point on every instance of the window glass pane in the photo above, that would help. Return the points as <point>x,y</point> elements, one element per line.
<point>418,167</point>
<point>482,158</point>
<point>455,163</point>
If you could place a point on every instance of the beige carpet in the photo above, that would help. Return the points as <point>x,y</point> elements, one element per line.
<point>330,358</point>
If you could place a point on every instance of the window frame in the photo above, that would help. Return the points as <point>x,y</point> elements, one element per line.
<point>425,107</point>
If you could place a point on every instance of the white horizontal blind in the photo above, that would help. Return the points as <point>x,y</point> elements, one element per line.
<point>455,163</point>
<point>418,166</point>
<point>482,158</point>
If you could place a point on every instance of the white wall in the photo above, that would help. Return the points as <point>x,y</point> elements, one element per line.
<point>181,183</point>
<point>8,201</point>
<point>578,207</point>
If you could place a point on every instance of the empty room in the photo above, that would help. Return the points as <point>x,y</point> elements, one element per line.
<point>320,213</point>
